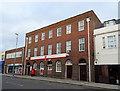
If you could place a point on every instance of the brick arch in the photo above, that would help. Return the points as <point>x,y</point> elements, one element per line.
<point>82,60</point>
<point>68,62</point>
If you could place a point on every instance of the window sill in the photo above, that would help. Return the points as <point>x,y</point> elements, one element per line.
<point>58,71</point>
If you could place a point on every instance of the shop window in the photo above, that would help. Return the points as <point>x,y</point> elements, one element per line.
<point>49,65</point>
<point>41,68</point>
<point>35,66</point>
<point>58,66</point>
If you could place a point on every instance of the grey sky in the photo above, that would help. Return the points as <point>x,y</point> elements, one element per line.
<point>23,17</point>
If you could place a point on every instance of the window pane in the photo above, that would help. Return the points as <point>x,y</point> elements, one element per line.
<point>81,25</point>
<point>58,66</point>
<point>58,48</point>
<point>59,32</point>
<point>35,51</point>
<point>68,46</point>
<point>82,44</point>
<point>30,40</point>
<point>49,49</point>
<point>68,29</point>
<point>111,41</point>
<point>42,50</point>
<point>103,39</point>
<point>43,36</point>
<point>36,38</point>
<point>50,34</point>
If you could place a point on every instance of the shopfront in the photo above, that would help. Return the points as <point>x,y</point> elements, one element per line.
<point>17,68</point>
<point>1,66</point>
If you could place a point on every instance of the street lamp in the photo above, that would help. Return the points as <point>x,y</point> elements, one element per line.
<point>15,53</point>
<point>89,62</point>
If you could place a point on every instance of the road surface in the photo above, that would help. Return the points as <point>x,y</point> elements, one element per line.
<point>20,83</point>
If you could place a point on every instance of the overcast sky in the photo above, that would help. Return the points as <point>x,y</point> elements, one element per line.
<point>23,17</point>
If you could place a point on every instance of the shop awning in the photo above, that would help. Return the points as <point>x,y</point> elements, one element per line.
<point>15,64</point>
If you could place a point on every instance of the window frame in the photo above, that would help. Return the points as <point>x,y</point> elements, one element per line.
<point>30,40</point>
<point>50,34</point>
<point>58,48</point>
<point>36,38</point>
<point>111,41</point>
<point>68,45</point>
<point>43,36</point>
<point>42,50</point>
<point>59,32</point>
<point>29,52</point>
<point>81,24</point>
<point>35,51</point>
<point>81,43</point>
<point>58,66</point>
<point>50,49</point>
<point>35,66</point>
<point>103,43</point>
<point>68,29</point>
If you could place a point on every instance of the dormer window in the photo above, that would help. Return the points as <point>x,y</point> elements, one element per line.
<point>109,23</point>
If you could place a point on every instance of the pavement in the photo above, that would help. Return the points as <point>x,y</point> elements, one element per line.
<point>68,81</point>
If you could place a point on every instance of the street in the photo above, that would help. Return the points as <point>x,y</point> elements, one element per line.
<point>19,83</point>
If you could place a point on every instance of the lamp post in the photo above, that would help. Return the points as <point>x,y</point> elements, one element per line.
<point>15,54</point>
<point>89,62</point>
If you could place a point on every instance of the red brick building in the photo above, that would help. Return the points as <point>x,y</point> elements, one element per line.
<point>60,50</point>
<point>11,59</point>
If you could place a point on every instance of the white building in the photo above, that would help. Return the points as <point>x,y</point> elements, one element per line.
<point>107,46</point>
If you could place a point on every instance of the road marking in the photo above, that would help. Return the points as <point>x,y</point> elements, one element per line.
<point>14,83</point>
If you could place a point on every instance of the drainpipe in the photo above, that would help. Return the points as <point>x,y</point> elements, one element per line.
<point>26,41</point>
<point>22,59</point>
<point>89,62</point>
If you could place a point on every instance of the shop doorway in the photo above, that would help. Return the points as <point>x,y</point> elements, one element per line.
<point>68,69</point>
<point>35,67</point>
<point>28,69</point>
<point>49,67</point>
<point>114,73</point>
<point>82,70</point>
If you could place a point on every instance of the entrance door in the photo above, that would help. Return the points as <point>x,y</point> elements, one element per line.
<point>69,71</point>
<point>28,70</point>
<point>114,73</point>
<point>83,73</point>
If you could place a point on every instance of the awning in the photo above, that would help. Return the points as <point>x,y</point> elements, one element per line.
<point>54,56</point>
<point>15,64</point>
